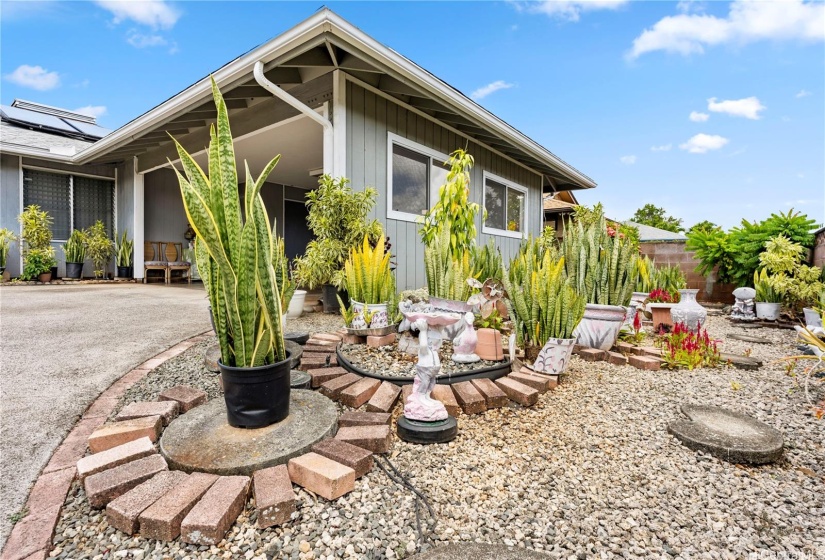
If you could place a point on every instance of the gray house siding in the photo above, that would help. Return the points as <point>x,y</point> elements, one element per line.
<point>370,118</point>
<point>10,195</point>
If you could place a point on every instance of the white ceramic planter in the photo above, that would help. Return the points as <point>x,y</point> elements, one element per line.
<point>689,311</point>
<point>768,311</point>
<point>379,317</point>
<point>600,326</point>
<point>812,317</point>
<point>554,356</point>
<point>639,299</point>
<point>296,304</point>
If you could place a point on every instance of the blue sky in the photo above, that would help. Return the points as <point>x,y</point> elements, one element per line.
<point>713,110</point>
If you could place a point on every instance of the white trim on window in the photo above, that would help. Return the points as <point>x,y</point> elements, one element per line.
<point>434,155</point>
<point>510,185</point>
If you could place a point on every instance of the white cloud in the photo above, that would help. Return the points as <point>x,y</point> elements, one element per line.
<point>746,22</point>
<point>569,10</point>
<point>802,93</point>
<point>35,77</point>
<point>696,116</point>
<point>628,160</point>
<point>141,41</point>
<point>702,143</point>
<point>92,110</point>
<point>156,14</point>
<point>662,148</point>
<point>483,92</point>
<point>688,6</point>
<point>748,107</point>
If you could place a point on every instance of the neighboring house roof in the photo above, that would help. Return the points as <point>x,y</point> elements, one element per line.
<point>555,205</point>
<point>649,233</point>
<point>322,43</point>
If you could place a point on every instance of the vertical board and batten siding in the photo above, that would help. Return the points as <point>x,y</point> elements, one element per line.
<point>369,118</point>
<point>10,196</point>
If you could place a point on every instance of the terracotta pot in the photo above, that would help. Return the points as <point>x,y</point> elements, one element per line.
<point>661,314</point>
<point>489,345</point>
<point>45,277</point>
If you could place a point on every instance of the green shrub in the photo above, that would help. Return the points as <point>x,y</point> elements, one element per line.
<point>99,248</point>
<point>38,261</point>
<point>6,239</point>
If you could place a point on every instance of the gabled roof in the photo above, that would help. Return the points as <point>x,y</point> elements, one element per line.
<point>557,205</point>
<point>52,120</point>
<point>320,44</point>
<point>649,233</point>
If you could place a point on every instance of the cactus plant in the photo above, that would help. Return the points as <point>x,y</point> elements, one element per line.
<point>234,254</point>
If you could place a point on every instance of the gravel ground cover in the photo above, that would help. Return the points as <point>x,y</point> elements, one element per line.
<point>588,472</point>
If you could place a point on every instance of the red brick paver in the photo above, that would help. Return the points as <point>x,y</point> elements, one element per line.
<point>325,477</point>
<point>274,496</point>
<point>214,514</point>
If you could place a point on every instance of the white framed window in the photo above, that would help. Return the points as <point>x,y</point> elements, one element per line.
<point>506,206</point>
<point>74,201</point>
<point>414,174</point>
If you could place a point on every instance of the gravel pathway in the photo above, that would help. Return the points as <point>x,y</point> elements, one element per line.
<point>589,471</point>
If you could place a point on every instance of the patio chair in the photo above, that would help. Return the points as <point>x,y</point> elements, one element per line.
<point>151,252</point>
<point>174,258</point>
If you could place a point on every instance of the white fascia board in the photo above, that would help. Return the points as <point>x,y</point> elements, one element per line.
<point>25,151</point>
<point>440,90</point>
<point>235,70</point>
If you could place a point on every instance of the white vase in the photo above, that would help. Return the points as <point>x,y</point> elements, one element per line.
<point>768,311</point>
<point>689,311</point>
<point>379,315</point>
<point>554,356</point>
<point>600,326</point>
<point>639,299</point>
<point>296,304</point>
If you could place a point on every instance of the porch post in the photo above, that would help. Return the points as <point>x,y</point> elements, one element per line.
<point>339,121</point>
<point>138,220</point>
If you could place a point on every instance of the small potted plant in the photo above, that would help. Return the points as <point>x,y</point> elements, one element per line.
<point>370,284</point>
<point>38,264</point>
<point>234,253</point>
<point>492,312</point>
<point>124,256</point>
<point>768,298</point>
<point>6,239</point>
<point>660,302</point>
<point>75,251</point>
<point>99,248</point>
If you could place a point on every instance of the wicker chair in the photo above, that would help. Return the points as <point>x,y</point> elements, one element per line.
<point>151,252</point>
<point>174,261</point>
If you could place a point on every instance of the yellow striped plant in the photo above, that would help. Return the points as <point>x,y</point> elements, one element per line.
<point>367,275</point>
<point>234,254</point>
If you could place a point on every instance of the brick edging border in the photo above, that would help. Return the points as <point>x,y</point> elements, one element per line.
<point>31,537</point>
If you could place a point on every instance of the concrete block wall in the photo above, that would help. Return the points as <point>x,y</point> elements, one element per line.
<point>819,249</point>
<point>674,253</point>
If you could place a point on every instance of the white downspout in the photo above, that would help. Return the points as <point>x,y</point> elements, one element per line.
<point>258,72</point>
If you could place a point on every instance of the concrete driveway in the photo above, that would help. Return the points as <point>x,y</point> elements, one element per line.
<point>61,347</point>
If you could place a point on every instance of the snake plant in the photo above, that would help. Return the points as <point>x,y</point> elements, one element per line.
<point>123,250</point>
<point>447,275</point>
<point>286,285</point>
<point>544,302</point>
<point>367,274</point>
<point>600,266</point>
<point>234,253</point>
<point>75,247</point>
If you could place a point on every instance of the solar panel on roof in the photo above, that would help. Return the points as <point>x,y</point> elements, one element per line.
<point>89,129</point>
<point>37,119</point>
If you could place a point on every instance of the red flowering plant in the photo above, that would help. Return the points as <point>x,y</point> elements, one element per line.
<point>682,348</point>
<point>660,295</point>
<point>638,335</point>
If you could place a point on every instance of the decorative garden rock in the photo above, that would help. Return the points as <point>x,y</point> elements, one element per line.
<point>554,356</point>
<point>744,309</point>
<point>464,346</point>
<point>600,326</point>
<point>688,311</point>
<point>728,435</point>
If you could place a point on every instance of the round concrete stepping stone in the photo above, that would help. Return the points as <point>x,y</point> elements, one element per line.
<point>728,435</point>
<point>295,352</point>
<point>297,337</point>
<point>211,357</point>
<point>300,379</point>
<point>202,440</point>
<point>414,431</point>
<point>478,551</point>
<point>751,339</point>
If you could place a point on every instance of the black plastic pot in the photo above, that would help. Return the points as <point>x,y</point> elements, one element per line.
<point>54,273</point>
<point>124,272</point>
<point>256,397</point>
<point>74,270</point>
<point>330,301</point>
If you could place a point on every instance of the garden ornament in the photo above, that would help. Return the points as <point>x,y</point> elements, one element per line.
<point>745,307</point>
<point>464,345</point>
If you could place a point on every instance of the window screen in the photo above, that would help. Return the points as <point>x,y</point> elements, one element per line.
<point>410,185</point>
<point>515,210</point>
<point>494,196</point>
<point>50,191</point>
<point>93,200</point>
